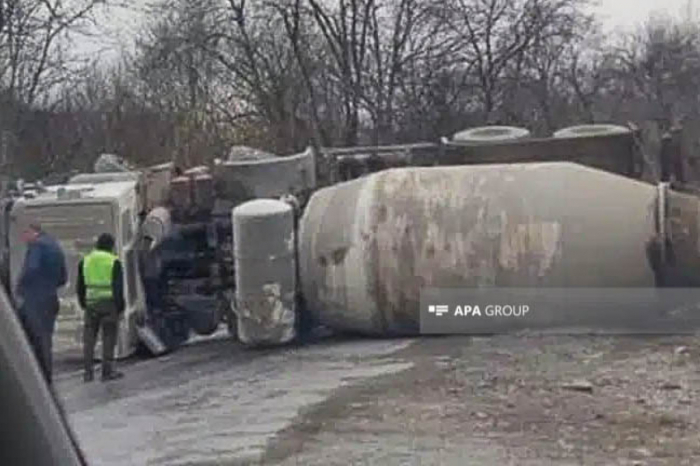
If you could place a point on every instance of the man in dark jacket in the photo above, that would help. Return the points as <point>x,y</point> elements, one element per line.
<point>43,273</point>
<point>100,290</point>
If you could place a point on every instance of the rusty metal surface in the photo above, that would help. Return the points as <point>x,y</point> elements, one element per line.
<point>683,228</point>
<point>158,184</point>
<point>268,178</point>
<point>614,153</point>
<point>193,193</point>
<point>180,195</point>
<point>264,254</point>
<point>368,246</point>
<point>204,196</point>
<point>346,163</point>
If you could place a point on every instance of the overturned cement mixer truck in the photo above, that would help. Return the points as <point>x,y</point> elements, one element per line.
<point>174,235</point>
<point>347,238</point>
<point>494,208</point>
<point>490,207</point>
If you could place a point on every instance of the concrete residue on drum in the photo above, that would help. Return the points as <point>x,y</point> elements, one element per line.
<point>269,318</point>
<point>532,244</point>
<point>423,242</point>
<point>525,225</point>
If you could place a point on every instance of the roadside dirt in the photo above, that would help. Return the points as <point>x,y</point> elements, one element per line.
<point>522,399</point>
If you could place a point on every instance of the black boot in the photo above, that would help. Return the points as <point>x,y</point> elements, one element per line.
<point>88,377</point>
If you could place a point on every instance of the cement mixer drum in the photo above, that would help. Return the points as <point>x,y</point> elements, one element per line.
<point>367,247</point>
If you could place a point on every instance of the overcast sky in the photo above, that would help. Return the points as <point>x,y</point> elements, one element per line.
<point>118,26</point>
<point>629,13</point>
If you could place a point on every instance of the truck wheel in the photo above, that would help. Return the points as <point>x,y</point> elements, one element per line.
<point>174,334</point>
<point>491,134</point>
<point>590,130</point>
<point>205,321</point>
<point>204,324</point>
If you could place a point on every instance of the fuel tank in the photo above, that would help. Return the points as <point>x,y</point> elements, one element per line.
<point>265,265</point>
<point>367,247</point>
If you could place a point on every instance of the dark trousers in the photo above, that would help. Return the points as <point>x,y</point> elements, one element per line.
<point>104,316</point>
<point>39,320</point>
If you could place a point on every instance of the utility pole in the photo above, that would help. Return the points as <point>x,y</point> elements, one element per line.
<point>4,162</point>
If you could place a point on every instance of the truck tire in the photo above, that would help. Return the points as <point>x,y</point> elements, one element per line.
<point>204,324</point>
<point>491,134</point>
<point>590,130</point>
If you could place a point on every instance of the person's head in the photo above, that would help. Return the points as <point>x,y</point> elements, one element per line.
<point>105,242</point>
<point>31,233</point>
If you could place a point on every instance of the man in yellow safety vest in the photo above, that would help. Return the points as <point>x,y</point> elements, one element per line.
<point>100,292</point>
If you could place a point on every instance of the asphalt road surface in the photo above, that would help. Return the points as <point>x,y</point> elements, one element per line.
<point>212,402</point>
<point>522,399</point>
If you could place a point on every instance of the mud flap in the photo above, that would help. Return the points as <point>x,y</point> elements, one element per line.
<point>151,340</point>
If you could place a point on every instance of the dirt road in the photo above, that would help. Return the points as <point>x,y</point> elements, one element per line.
<point>519,399</point>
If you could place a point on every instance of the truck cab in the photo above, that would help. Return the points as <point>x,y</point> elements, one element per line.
<point>76,214</point>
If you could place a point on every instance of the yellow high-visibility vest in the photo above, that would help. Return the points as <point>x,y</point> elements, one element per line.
<point>97,272</point>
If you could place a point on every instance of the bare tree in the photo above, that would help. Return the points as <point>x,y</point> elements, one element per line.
<point>33,60</point>
<point>540,74</point>
<point>497,33</point>
<point>31,31</point>
<point>346,29</point>
<point>178,78</point>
